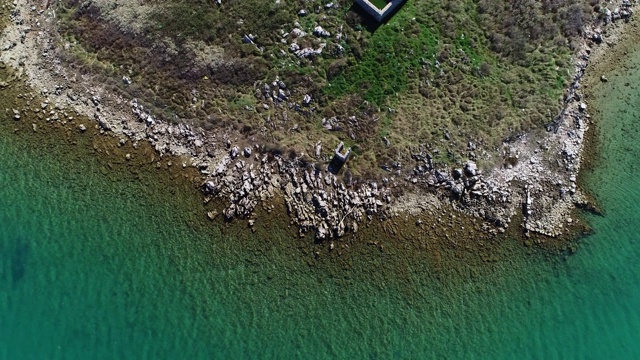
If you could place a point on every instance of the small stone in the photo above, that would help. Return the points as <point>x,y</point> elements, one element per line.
<point>294,47</point>
<point>582,107</point>
<point>128,156</point>
<point>457,190</point>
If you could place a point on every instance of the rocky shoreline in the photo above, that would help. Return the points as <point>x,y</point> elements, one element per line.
<point>535,176</point>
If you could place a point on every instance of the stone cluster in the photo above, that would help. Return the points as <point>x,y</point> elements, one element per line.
<point>318,201</point>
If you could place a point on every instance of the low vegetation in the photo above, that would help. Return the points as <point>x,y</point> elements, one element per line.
<point>438,75</point>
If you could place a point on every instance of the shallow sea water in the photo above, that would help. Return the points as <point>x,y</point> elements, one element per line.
<point>96,266</point>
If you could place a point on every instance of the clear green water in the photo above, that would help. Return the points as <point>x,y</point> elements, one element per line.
<point>104,267</point>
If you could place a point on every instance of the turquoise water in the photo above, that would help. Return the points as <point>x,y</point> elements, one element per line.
<point>104,266</point>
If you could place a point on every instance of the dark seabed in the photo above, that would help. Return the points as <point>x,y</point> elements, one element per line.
<point>97,263</point>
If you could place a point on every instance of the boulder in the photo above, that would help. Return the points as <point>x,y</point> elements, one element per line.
<point>582,106</point>
<point>298,33</point>
<point>209,187</point>
<point>320,31</point>
<point>470,168</point>
<point>294,47</point>
<point>234,152</point>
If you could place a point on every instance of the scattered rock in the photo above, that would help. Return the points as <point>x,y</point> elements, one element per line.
<point>318,149</point>
<point>319,31</point>
<point>470,168</point>
<point>582,106</point>
<point>457,190</point>
<point>248,39</point>
<point>234,152</point>
<point>298,33</point>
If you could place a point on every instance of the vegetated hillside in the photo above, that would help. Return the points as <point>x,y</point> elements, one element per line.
<point>438,74</point>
